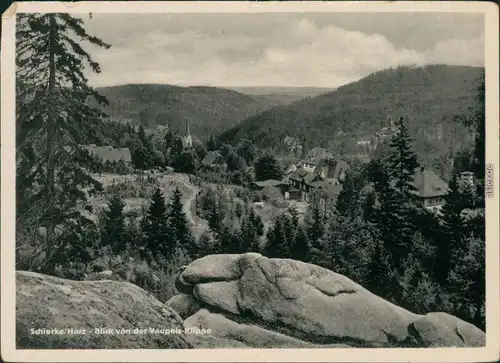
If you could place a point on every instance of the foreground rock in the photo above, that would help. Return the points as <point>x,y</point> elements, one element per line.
<point>49,302</point>
<point>270,303</point>
<point>441,329</point>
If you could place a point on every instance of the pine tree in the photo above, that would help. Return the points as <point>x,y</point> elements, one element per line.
<point>142,135</point>
<point>452,230</point>
<point>178,223</point>
<point>467,281</point>
<point>278,244</point>
<point>53,118</point>
<point>300,247</point>
<point>158,238</point>
<point>349,246</point>
<point>369,206</point>
<point>211,144</point>
<point>478,162</point>
<point>348,200</point>
<point>214,216</point>
<point>402,161</point>
<point>207,245</point>
<point>314,222</point>
<point>294,216</point>
<point>249,238</point>
<point>229,240</point>
<point>256,221</point>
<point>113,232</point>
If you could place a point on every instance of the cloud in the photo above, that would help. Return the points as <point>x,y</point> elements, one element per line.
<point>458,52</point>
<point>297,52</point>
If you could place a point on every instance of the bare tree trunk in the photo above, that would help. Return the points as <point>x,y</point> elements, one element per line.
<point>51,127</point>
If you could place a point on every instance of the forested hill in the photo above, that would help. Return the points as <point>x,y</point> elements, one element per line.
<point>208,108</point>
<point>426,96</point>
<point>283,94</point>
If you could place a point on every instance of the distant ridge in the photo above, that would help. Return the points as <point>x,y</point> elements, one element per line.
<point>426,96</point>
<point>209,109</point>
<point>285,94</point>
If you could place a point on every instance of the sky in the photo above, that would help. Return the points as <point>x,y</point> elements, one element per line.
<point>276,49</point>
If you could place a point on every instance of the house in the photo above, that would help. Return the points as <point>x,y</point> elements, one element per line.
<point>291,193</point>
<point>213,159</point>
<point>313,157</point>
<point>467,179</point>
<point>332,170</point>
<point>328,191</point>
<point>260,185</point>
<point>429,189</point>
<point>109,154</point>
<point>386,133</point>
<point>327,174</point>
<point>289,165</point>
<point>293,145</point>
<point>365,144</point>
<point>270,193</point>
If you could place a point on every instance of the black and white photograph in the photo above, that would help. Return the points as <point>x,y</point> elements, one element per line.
<point>250,179</point>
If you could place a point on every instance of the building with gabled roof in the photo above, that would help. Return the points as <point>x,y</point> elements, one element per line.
<point>430,189</point>
<point>327,174</point>
<point>213,157</point>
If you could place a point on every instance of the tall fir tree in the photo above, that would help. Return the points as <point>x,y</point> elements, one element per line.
<point>211,143</point>
<point>256,222</point>
<point>452,230</point>
<point>478,162</point>
<point>402,160</point>
<point>179,225</point>
<point>113,233</point>
<point>300,248</point>
<point>315,222</point>
<point>249,237</point>
<point>158,239</point>
<point>53,117</point>
<point>278,242</point>
<point>141,133</point>
<point>348,200</point>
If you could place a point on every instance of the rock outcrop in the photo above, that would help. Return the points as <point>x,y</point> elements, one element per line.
<point>235,301</point>
<point>54,313</point>
<point>259,302</point>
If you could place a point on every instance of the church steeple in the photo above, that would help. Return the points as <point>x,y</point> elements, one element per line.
<point>188,133</point>
<point>187,139</point>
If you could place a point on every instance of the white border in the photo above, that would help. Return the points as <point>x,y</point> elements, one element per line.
<point>489,353</point>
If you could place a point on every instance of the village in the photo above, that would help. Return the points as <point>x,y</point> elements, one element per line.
<point>319,172</point>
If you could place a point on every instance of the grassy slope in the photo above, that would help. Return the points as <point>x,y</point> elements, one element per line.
<point>208,108</point>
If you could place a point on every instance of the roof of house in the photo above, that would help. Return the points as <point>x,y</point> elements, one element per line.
<point>331,189</point>
<point>302,174</point>
<point>267,183</point>
<point>272,192</point>
<point>331,168</point>
<point>428,184</point>
<point>289,159</point>
<point>316,154</point>
<point>290,141</point>
<point>211,157</point>
<point>108,153</point>
<point>365,138</point>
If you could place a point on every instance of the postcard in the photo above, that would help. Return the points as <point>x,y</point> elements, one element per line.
<point>250,182</point>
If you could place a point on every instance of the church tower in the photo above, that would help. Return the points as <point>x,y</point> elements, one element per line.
<point>187,140</point>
